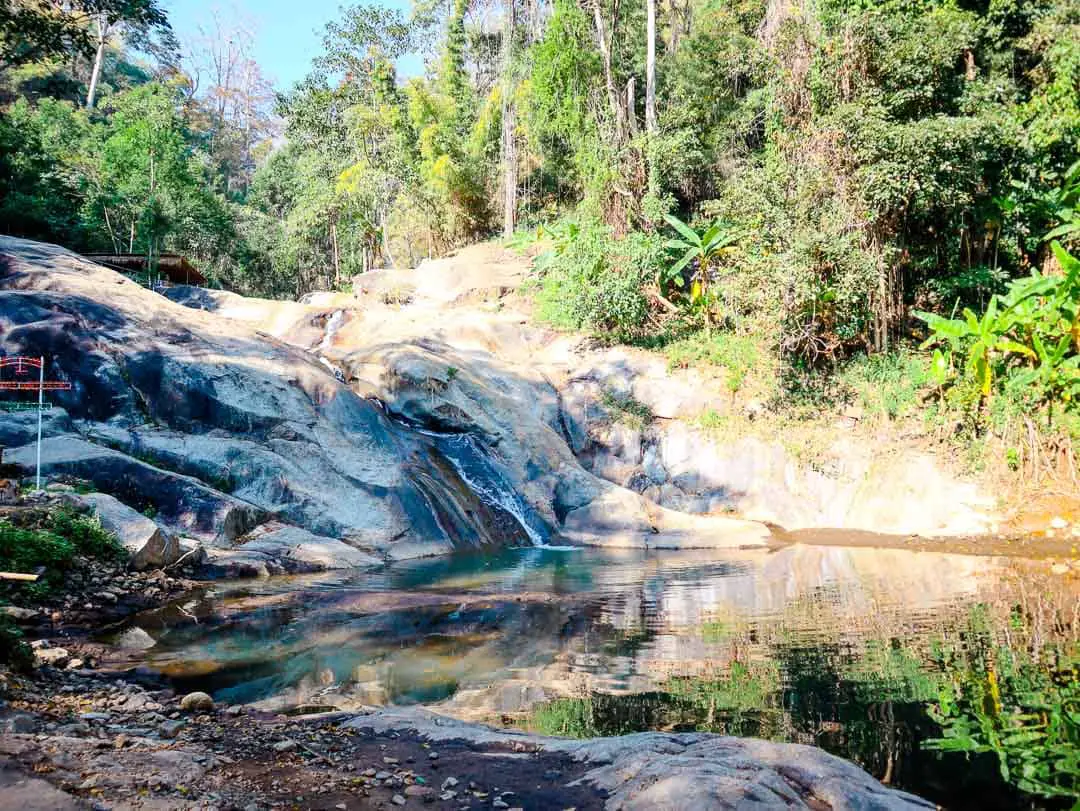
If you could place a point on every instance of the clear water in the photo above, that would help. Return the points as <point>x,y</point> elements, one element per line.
<point>849,649</point>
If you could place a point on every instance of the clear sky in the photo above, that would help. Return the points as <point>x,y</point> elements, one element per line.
<point>288,34</point>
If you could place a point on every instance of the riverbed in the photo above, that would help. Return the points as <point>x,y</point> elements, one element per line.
<point>868,653</point>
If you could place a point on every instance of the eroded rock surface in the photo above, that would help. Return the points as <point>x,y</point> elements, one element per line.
<point>217,426</point>
<point>681,772</point>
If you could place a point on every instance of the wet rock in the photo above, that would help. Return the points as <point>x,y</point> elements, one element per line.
<point>197,702</point>
<point>135,639</point>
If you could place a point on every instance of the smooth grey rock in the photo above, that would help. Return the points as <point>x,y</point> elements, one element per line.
<point>285,549</point>
<point>681,772</point>
<point>149,546</point>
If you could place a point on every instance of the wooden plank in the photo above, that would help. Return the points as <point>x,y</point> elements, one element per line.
<point>18,576</point>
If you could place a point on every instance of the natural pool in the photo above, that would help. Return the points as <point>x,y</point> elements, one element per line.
<point>873,654</point>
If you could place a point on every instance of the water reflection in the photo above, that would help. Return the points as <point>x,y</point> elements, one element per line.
<point>843,648</point>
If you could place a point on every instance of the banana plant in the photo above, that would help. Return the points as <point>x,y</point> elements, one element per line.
<point>1065,205</point>
<point>977,338</point>
<point>703,248</point>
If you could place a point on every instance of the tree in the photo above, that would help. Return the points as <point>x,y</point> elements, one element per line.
<point>142,17</point>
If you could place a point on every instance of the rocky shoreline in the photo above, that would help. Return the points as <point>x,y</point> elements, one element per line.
<point>76,739</point>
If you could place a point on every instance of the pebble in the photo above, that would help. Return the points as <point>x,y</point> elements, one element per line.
<point>397,799</point>
<point>196,702</point>
<point>383,775</point>
<point>1057,522</point>
<point>19,724</point>
<point>433,755</point>
<point>1060,568</point>
<point>170,729</point>
<point>286,745</point>
<point>449,782</point>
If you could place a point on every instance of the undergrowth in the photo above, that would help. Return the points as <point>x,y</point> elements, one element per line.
<point>50,540</point>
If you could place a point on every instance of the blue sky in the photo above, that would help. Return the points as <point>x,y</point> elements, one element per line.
<point>288,34</point>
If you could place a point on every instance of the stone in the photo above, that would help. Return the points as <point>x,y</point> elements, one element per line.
<point>54,657</point>
<point>397,799</point>
<point>170,729</point>
<point>280,549</point>
<point>1057,522</point>
<point>149,546</point>
<point>20,614</point>
<point>135,638</point>
<point>286,745</point>
<point>197,702</point>
<point>18,724</point>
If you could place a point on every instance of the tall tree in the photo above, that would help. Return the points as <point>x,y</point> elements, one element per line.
<point>650,68</point>
<point>509,146</point>
<point>142,17</point>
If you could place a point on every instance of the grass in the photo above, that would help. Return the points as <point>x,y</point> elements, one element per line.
<point>741,357</point>
<point>626,409</point>
<point>52,540</point>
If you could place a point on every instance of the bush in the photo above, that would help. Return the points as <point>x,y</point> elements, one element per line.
<point>595,282</point>
<point>52,540</point>
<point>14,652</point>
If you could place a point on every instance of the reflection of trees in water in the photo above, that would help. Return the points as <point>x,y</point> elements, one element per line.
<point>972,708</point>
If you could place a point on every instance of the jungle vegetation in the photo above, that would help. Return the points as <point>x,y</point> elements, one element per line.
<point>839,182</point>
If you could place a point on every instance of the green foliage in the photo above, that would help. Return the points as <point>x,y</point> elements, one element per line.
<point>1028,339</point>
<point>595,281</point>
<point>738,355</point>
<point>625,408</point>
<point>14,652</point>
<point>53,543</point>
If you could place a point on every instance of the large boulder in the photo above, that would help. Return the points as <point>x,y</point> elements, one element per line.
<point>181,503</point>
<point>278,549</point>
<point>218,425</point>
<point>648,771</point>
<point>149,546</point>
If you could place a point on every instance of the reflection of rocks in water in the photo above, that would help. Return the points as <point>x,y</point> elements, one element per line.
<point>488,636</point>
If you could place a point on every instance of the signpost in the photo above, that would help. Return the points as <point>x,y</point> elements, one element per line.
<point>22,366</point>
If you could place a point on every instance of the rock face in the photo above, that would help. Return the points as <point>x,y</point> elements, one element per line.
<point>220,427</point>
<point>285,550</point>
<point>150,547</point>
<point>682,772</point>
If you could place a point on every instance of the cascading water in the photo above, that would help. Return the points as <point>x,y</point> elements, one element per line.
<point>471,497</point>
<point>490,484</point>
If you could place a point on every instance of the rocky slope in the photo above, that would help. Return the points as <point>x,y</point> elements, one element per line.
<point>215,427</point>
<point>83,742</point>
<point>450,346</point>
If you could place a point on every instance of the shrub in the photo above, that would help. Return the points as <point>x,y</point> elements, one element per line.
<point>52,541</point>
<point>594,281</point>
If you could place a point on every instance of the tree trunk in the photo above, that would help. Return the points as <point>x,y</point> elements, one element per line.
<point>631,107</point>
<point>337,256</point>
<point>99,57</point>
<point>509,148</point>
<point>604,46</point>
<point>650,70</point>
